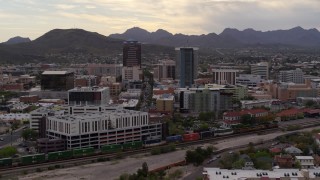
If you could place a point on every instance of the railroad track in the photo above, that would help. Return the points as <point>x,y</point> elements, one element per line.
<point>89,159</point>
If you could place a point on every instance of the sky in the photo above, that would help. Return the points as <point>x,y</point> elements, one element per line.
<point>33,18</point>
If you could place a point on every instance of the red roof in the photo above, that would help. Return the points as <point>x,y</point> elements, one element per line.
<point>289,112</point>
<point>275,150</point>
<point>163,91</point>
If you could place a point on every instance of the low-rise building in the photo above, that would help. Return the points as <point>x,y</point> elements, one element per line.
<point>306,162</point>
<point>100,128</point>
<point>284,161</point>
<point>236,115</point>
<point>275,174</point>
<point>165,103</point>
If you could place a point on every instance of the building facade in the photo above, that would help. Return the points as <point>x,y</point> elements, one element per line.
<point>96,129</point>
<point>261,69</point>
<point>89,96</point>
<point>131,53</point>
<point>186,65</point>
<point>165,69</point>
<point>165,103</point>
<point>249,80</point>
<point>224,76</point>
<point>294,76</point>
<point>57,80</point>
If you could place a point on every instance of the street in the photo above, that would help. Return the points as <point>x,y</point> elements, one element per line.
<point>8,138</point>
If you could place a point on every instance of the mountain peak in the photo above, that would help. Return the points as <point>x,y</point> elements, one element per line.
<point>298,28</point>
<point>17,40</point>
<point>137,30</point>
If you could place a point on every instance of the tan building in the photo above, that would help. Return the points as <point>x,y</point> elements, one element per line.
<point>26,79</point>
<point>165,103</point>
<point>115,89</point>
<point>290,91</point>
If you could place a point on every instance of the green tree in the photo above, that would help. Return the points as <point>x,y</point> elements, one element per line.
<point>310,103</point>
<point>238,164</point>
<point>29,134</point>
<point>246,119</point>
<point>7,152</point>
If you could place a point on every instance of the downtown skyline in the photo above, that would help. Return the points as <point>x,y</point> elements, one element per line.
<point>33,18</point>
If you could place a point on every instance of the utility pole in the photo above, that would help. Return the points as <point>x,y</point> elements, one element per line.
<point>11,137</point>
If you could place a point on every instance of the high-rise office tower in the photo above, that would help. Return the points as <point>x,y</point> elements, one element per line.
<point>186,65</point>
<point>131,53</point>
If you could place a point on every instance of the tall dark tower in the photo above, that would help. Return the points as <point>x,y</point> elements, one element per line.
<point>186,65</point>
<point>131,53</point>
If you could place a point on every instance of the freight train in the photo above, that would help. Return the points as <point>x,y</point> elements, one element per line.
<point>68,154</point>
<point>198,135</point>
<point>215,133</point>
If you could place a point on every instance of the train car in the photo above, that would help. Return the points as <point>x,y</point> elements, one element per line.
<point>132,145</point>
<point>33,159</point>
<point>152,141</point>
<point>173,139</point>
<point>111,148</point>
<point>191,137</point>
<point>223,132</point>
<point>83,152</point>
<point>52,156</point>
<point>206,134</point>
<point>5,162</point>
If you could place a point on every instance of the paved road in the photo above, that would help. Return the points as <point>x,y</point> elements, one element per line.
<point>8,138</point>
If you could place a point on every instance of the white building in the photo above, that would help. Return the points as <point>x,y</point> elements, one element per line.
<point>306,162</point>
<point>295,76</point>
<point>15,116</point>
<point>261,69</point>
<point>224,76</point>
<point>89,96</point>
<point>40,115</point>
<point>275,174</point>
<point>249,80</point>
<point>102,128</point>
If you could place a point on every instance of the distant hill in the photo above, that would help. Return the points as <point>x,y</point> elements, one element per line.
<point>76,41</point>
<point>229,38</point>
<point>17,40</point>
<point>78,45</point>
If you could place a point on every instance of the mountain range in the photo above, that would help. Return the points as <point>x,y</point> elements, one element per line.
<point>229,38</point>
<point>59,42</point>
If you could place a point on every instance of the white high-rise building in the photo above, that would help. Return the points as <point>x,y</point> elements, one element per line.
<point>295,76</point>
<point>261,69</point>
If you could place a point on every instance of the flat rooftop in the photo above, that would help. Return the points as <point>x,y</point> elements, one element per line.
<point>55,72</point>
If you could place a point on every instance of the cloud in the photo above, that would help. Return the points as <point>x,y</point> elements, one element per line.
<point>64,6</point>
